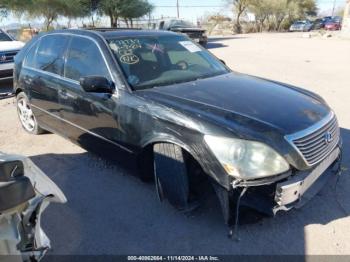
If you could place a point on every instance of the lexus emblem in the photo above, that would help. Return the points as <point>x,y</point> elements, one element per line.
<point>328,137</point>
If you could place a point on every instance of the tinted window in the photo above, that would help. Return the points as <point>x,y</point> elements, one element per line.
<point>84,59</point>
<point>50,54</point>
<point>30,59</point>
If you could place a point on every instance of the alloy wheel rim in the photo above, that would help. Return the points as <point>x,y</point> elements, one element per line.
<point>25,114</point>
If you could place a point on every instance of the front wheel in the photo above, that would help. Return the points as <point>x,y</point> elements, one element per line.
<point>26,116</point>
<point>171,174</point>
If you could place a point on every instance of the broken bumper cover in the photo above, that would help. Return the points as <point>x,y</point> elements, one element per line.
<point>280,193</point>
<point>300,188</point>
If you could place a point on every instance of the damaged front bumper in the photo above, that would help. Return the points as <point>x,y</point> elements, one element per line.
<point>297,190</point>
<point>280,193</point>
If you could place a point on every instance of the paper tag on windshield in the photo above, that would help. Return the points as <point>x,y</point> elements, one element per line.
<point>190,46</point>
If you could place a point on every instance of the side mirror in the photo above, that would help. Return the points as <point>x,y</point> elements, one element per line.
<point>96,84</point>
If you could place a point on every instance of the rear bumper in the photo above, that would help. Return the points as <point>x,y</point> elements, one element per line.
<point>6,71</point>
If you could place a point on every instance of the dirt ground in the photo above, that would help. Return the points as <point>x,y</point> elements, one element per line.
<point>112,212</point>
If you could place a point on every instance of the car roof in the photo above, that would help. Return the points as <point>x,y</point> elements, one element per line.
<point>134,33</point>
<point>108,33</point>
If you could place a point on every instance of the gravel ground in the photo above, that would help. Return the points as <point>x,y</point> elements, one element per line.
<point>112,212</point>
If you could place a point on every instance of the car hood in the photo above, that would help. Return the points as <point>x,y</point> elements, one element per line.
<point>249,101</point>
<point>10,45</point>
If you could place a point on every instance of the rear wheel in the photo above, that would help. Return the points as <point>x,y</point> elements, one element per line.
<point>26,115</point>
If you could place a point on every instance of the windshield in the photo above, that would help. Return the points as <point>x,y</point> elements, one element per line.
<point>4,37</point>
<point>163,60</point>
<point>180,23</point>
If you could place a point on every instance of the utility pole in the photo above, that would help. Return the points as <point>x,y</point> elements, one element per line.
<point>334,3</point>
<point>177,7</point>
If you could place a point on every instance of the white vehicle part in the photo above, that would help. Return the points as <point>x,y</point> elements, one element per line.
<point>10,45</point>
<point>21,234</point>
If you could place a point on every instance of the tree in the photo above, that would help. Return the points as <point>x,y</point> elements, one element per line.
<point>90,8</point>
<point>3,13</point>
<point>127,9</point>
<point>239,7</point>
<point>262,10</point>
<point>215,20</point>
<point>279,12</point>
<point>111,8</point>
<point>307,8</point>
<point>271,14</point>
<point>131,9</point>
<point>50,10</point>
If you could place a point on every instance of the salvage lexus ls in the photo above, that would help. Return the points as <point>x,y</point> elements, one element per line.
<point>186,117</point>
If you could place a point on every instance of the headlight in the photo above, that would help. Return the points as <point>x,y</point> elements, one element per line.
<point>246,159</point>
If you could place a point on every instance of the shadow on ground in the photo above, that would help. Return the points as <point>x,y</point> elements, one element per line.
<point>223,38</point>
<point>215,42</point>
<point>214,45</point>
<point>111,212</point>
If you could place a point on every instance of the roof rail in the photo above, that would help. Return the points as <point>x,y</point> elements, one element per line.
<point>106,29</point>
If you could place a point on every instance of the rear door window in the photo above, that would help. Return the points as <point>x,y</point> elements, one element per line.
<point>30,58</point>
<point>50,54</point>
<point>84,59</point>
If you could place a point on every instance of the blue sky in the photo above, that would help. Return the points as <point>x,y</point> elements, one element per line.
<point>214,6</point>
<point>194,9</point>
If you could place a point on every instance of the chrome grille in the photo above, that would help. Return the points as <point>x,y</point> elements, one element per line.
<point>319,143</point>
<point>8,56</point>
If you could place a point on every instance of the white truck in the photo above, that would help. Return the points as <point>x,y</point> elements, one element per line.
<point>9,47</point>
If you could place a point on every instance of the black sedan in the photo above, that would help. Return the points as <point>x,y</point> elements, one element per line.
<point>187,119</point>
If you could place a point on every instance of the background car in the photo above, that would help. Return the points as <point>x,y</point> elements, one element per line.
<point>301,26</point>
<point>9,47</point>
<point>319,23</point>
<point>185,27</point>
<point>333,24</point>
